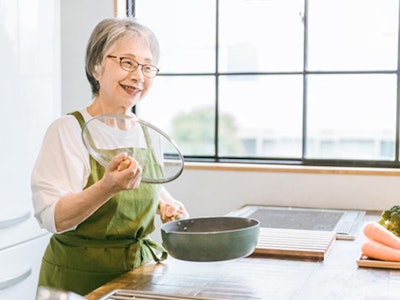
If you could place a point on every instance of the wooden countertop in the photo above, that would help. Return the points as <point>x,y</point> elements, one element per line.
<point>336,277</point>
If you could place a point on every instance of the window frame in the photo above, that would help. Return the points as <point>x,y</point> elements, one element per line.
<point>303,161</point>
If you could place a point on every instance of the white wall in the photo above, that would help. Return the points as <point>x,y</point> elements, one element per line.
<point>219,192</point>
<point>78,18</point>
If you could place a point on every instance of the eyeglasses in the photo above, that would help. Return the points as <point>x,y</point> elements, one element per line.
<point>130,65</point>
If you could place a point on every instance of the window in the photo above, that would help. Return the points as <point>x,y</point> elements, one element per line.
<point>284,81</point>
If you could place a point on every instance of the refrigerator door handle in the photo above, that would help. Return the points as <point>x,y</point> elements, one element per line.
<point>4,223</point>
<point>14,279</point>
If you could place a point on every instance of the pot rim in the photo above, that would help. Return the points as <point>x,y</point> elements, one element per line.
<point>255,224</point>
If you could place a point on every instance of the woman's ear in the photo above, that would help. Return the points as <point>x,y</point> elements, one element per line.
<point>97,71</point>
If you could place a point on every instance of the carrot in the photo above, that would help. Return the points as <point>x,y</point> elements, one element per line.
<point>374,249</point>
<point>375,231</point>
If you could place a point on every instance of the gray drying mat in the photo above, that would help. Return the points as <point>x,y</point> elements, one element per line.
<point>297,219</point>
<point>343,222</point>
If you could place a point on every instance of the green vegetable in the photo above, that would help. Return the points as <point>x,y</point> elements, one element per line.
<point>390,219</point>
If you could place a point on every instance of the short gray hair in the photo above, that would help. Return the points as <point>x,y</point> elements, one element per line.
<point>105,35</point>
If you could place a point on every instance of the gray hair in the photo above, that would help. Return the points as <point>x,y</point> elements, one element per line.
<point>105,35</point>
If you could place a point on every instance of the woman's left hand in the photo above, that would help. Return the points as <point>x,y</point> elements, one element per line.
<point>172,211</point>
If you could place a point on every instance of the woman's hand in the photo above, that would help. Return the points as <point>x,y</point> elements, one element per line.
<point>122,173</point>
<point>171,211</point>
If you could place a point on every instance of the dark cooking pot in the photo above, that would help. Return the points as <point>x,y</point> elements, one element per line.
<point>210,238</point>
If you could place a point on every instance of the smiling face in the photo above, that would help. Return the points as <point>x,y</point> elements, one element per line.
<point>120,90</point>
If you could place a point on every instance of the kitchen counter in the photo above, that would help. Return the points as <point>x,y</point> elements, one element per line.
<point>336,277</point>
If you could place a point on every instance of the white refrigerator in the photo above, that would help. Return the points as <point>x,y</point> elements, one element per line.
<point>29,102</point>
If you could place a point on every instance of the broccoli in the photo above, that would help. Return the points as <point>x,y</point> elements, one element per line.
<point>390,219</point>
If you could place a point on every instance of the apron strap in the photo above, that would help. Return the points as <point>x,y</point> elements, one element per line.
<point>139,244</point>
<point>153,245</point>
<point>79,117</point>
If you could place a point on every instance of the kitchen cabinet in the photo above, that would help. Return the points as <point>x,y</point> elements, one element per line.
<point>20,265</point>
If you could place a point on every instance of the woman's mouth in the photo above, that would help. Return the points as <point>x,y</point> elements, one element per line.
<point>131,90</point>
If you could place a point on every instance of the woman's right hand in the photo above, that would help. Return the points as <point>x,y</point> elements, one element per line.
<point>122,173</point>
<point>74,208</point>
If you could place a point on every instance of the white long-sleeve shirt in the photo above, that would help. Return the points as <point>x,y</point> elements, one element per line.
<point>62,167</point>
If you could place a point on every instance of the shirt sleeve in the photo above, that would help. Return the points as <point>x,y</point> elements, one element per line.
<point>62,167</point>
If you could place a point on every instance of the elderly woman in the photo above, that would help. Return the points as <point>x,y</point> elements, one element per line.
<point>100,216</point>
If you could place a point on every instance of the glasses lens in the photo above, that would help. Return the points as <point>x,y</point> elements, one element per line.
<point>128,64</point>
<point>149,70</point>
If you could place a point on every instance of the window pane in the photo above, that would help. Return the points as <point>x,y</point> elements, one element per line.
<point>187,116</point>
<point>260,35</point>
<point>185,45</point>
<point>351,117</point>
<point>352,34</point>
<point>259,116</point>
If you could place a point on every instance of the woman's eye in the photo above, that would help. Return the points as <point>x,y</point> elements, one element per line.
<point>128,63</point>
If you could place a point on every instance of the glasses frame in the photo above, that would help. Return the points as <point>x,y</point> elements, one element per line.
<point>121,58</point>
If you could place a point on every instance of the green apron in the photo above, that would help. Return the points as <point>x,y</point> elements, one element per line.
<point>112,241</point>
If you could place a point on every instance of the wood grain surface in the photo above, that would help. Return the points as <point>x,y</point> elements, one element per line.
<point>310,244</point>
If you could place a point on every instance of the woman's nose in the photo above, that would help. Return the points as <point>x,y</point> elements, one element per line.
<point>137,74</point>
